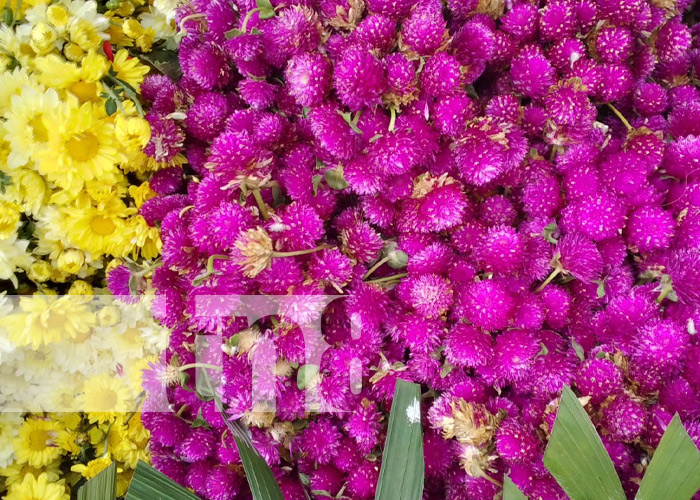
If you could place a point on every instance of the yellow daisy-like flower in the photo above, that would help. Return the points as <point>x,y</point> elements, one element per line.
<point>141,193</point>
<point>146,239</point>
<point>9,218</point>
<point>93,467</point>
<point>11,83</point>
<point>103,396</point>
<point>28,189</point>
<point>16,472</point>
<point>46,319</point>
<point>132,132</point>
<point>123,481</point>
<point>83,81</point>
<point>28,123</point>
<point>98,230</point>
<point>37,488</point>
<point>83,149</point>
<point>129,70</point>
<point>36,442</point>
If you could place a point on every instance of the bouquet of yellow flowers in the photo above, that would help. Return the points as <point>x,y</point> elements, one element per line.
<point>73,176</point>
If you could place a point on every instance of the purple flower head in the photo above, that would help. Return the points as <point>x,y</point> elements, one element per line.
<point>437,203</point>
<point>430,295</point>
<point>650,99</point>
<point>257,94</point>
<point>376,32</point>
<point>401,76</point>
<point>441,75</point>
<point>390,8</point>
<point>332,133</point>
<point>361,242</point>
<point>358,78</point>
<point>208,66</point>
<point>673,41</point>
<point>557,20</point>
<point>531,72</point>
<point>579,257</point>
<point>486,304</point>
<point>650,228</point>
<point>571,114</point>
<point>468,347</point>
<point>296,30</point>
<point>197,445</point>
<point>521,22</point>
<point>516,442</point>
<point>683,267</point>
<point>515,352</point>
<point>362,480</point>
<point>501,250</point>
<point>424,29</point>
<point>599,216</point>
<point>363,425</point>
<point>624,418</point>
<point>613,44</point>
<point>452,113</point>
<point>599,378</point>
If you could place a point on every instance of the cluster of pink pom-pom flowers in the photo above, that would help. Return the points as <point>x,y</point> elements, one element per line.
<point>507,194</point>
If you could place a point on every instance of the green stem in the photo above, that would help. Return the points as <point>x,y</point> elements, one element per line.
<point>392,120</point>
<point>299,252</point>
<point>198,365</point>
<point>379,264</point>
<point>664,293</point>
<point>183,31</point>
<point>620,116</point>
<point>549,279</point>
<point>387,279</point>
<point>247,18</point>
<point>261,204</point>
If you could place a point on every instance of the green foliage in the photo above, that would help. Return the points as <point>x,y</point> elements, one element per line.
<point>101,487</point>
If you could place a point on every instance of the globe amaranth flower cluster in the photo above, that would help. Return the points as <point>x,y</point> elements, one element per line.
<point>506,196</point>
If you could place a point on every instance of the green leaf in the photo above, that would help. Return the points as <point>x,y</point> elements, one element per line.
<point>578,349</point>
<point>265,9</point>
<point>101,487</point>
<point>149,484</point>
<point>403,466</point>
<point>5,180</point>
<point>260,479</point>
<point>165,61</point>
<point>510,491</point>
<point>335,178</point>
<point>110,107</point>
<point>305,374</point>
<point>576,456</point>
<point>674,471</point>
<point>235,32</point>
<point>350,121</point>
<point>315,182</point>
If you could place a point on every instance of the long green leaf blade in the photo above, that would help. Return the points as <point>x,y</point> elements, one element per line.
<point>674,471</point>
<point>510,491</point>
<point>576,456</point>
<point>149,484</point>
<point>260,479</point>
<point>101,487</point>
<point>403,463</point>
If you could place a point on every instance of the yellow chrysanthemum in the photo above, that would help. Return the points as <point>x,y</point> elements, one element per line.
<point>93,467</point>
<point>129,70</point>
<point>98,230</point>
<point>16,472</point>
<point>42,38</point>
<point>103,396</point>
<point>132,132</point>
<point>36,442</point>
<point>46,319</point>
<point>82,81</point>
<point>33,488</point>
<point>145,239</point>
<point>13,257</point>
<point>141,193</point>
<point>28,189</point>
<point>82,149</point>
<point>11,83</point>
<point>9,218</point>
<point>123,481</point>
<point>29,123</point>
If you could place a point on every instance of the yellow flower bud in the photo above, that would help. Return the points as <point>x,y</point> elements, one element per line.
<point>125,9</point>
<point>9,218</point>
<point>132,28</point>
<point>145,41</point>
<point>84,34</point>
<point>72,52</point>
<point>57,15</point>
<point>39,271</point>
<point>80,287</point>
<point>109,316</point>
<point>42,38</point>
<point>132,132</point>
<point>70,260</point>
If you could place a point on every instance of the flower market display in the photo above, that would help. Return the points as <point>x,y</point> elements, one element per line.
<point>72,179</point>
<point>492,200</point>
<point>505,195</point>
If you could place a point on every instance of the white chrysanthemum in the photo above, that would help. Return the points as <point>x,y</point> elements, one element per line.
<point>13,258</point>
<point>7,348</point>
<point>9,427</point>
<point>161,22</point>
<point>82,355</point>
